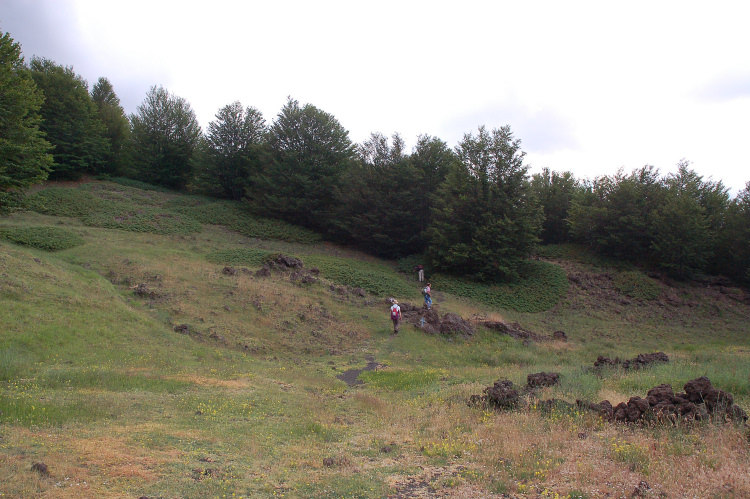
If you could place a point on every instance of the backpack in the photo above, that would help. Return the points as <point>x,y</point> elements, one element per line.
<point>394,312</point>
<point>424,291</point>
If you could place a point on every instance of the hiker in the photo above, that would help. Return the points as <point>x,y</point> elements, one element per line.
<point>395,316</point>
<point>420,272</point>
<point>426,291</point>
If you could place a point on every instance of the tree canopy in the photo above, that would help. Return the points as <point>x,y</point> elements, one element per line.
<point>486,220</point>
<point>116,127</point>
<point>24,153</point>
<point>232,154</point>
<point>310,152</point>
<point>165,134</point>
<point>69,120</point>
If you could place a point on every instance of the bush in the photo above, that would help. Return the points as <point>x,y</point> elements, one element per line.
<point>41,237</point>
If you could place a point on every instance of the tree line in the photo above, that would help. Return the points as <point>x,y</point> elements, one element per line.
<point>472,210</point>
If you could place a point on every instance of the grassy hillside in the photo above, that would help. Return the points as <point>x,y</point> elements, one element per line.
<point>142,354</point>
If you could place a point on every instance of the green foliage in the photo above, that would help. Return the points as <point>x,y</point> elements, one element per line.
<point>232,154</point>
<point>129,182</point>
<point>555,192</point>
<point>374,278</point>
<point>637,285</point>
<point>540,288</point>
<point>577,253</point>
<point>116,127</point>
<point>485,221</point>
<point>235,216</point>
<point>378,195</point>
<point>143,219</point>
<point>111,214</point>
<point>682,226</point>
<point>24,153</point>
<point>406,265</point>
<point>165,134</point>
<point>732,250</point>
<point>40,237</point>
<point>69,120</point>
<point>251,257</point>
<point>310,151</point>
<point>612,213</point>
<point>64,202</point>
<point>433,159</point>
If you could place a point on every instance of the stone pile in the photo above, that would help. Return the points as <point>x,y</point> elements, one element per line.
<point>642,360</point>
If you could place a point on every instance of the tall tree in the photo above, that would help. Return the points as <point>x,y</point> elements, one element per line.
<point>69,120</point>
<point>555,192</point>
<point>310,151</point>
<point>685,225</point>
<point>377,196</point>
<point>611,214</point>
<point>116,126</point>
<point>165,134</point>
<point>233,154</point>
<point>24,153</point>
<point>432,159</point>
<point>486,220</point>
<point>731,256</point>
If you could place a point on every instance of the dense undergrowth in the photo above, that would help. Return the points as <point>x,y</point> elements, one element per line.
<point>42,237</point>
<point>133,365</point>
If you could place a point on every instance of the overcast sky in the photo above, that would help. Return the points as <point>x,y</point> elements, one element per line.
<point>588,87</point>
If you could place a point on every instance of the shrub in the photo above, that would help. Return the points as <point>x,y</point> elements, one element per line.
<point>41,237</point>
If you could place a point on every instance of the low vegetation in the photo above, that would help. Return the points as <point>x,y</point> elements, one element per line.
<point>138,365</point>
<point>42,237</point>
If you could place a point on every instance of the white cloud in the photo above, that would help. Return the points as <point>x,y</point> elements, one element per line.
<point>588,86</point>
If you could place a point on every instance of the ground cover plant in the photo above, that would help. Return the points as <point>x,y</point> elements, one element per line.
<point>136,365</point>
<point>236,217</point>
<point>42,237</point>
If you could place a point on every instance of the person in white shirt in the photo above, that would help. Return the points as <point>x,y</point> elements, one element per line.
<point>395,316</point>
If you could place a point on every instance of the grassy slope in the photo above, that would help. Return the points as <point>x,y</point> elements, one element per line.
<point>97,384</point>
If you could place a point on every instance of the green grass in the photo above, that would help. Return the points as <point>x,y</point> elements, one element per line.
<point>42,237</point>
<point>401,380</point>
<point>251,257</point>
<point>95,382</point>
